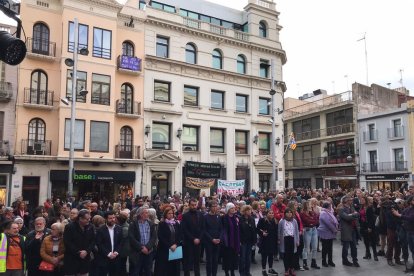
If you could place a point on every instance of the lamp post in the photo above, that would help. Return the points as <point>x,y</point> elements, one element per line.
<point>73,108</point>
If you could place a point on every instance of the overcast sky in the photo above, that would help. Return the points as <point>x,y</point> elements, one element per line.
<point>320,40</point>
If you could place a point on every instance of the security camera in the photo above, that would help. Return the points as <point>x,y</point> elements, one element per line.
<point>65,101</point>
<point>270,121</point>
<point>83,92</point>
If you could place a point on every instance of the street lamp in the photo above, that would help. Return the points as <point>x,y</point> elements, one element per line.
<point>275,141</point>
<point>74,63</point>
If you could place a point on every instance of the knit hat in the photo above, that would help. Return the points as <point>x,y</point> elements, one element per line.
<point>18,219</point>
<point>229,206</point>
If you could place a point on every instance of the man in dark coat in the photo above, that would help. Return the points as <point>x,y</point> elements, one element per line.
<point>348,219</point>
<point>193,230</point>
<point>33,243</point>
<point>108,240</point>
<point>79,240</point>
<point>211,239</point>
<point>142,238</point>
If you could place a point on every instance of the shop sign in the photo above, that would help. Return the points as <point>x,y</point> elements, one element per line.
<point>202,170</point>
<point>340,171</point>
<point>127,176</point>
<point>403,177</point>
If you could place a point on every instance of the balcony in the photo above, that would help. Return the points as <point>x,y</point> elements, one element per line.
<point>320,133</point>
<point>6,91</point>
<point>396,166</point>
<point>130,110</point>
<point>127,152</point>
<point>129,65</point>
<point>310,107</point>
<point>38,98</point>
<point>41,49</point>
<point>395,133</point>
<point>370,136</point>
<point>4,148</point>
<point>321,161</point>
<point>35,147</point>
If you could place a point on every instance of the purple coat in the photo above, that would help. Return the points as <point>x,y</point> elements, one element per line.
<point>328,225</point>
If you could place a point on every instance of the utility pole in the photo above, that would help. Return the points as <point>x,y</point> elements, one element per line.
<point>272,143</point>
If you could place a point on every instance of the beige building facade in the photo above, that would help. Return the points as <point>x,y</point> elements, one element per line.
<point>207,102</point>
<point>108,130</point>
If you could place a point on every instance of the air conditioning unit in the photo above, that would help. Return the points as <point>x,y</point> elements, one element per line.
<point>38,146</point>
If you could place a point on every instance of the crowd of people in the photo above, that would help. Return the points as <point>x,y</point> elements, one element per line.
<point>166,236</point>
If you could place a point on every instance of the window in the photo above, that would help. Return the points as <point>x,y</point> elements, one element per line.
<point>241,103</point>
<point>264,106</point>
<point>161,6</point>
<point>243,172</point>
<point>262,29</point>
<point>264,143</point>
<point>126,142</point>
<point>162,91</point>
<point>397,128</point>
<point>241,64</point>
<point>399,160</point>
<point>99,140</point>
<point>190,53</point>
<point>161,136</point>
<point>80,84</point>
<point>307,128</point>
<point>82,37</point>
<point>127,99</point>
<point>340,117</point>
<point>217,99</point>
<point>162,46</point>
<point>127,49</point>
<point>217,59</point>
<point>241,142</point>
<point>38,88</point>
<point>101,89</point>
<point>142,4</point>
<point>79,137</point>
<point>373,162</point>
<point>216,140</point>
<point>37,130</point>
<point>189,138</point>
<point>264,68</point>
<point>191,95</point>
<point>371,132</point>
<point>40,43</point>
<point>1,125</point>
<point>102,40</point>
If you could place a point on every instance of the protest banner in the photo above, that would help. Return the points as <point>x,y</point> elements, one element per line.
<point>233,187</point>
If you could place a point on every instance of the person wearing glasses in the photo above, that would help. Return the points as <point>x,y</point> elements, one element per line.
<point>79,240</point>
<point>52,250</point>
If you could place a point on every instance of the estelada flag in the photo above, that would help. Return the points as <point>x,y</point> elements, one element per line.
<point>292,142</point>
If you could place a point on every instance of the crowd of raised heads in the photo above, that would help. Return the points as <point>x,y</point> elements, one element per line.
<point>174,234</point>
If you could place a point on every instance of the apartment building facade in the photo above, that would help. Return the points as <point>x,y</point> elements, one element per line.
<point>326,132</point>
<point>385,150</point>
<point>8,93</point>
<point>207,102</point>
<point>108,128</point>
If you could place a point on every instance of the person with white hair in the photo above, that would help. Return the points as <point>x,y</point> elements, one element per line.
<point>230,237</point>
<point>33,243</point>
<point>142,238</point>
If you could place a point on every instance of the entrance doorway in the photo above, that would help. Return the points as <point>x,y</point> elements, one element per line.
<point>264,182</point>
<point>159,184</point>
<point>30,191</point>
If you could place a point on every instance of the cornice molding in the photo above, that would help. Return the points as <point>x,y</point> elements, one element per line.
<point>176,67</point>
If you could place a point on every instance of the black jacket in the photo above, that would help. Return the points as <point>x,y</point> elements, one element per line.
<point>135,240</point>
<point>192,229</point>
<point>163,267</point>
<point>247,228</point>
<point>268,244</point>
<point>104,245</point>
<point>75,240</point>
<point>33,249</point>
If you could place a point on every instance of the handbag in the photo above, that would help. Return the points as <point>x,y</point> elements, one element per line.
<point>45,266</point>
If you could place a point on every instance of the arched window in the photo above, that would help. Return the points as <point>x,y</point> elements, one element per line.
<point>127,99</point>
<point>241,64</point>
<point>126,142</point>
<point>190,53</point>
<point>37,130</point>
<point>127,49</point>
<point>262,29</point>
<point>40,42</point>
<point>217,59</point>
<point>38,88</point>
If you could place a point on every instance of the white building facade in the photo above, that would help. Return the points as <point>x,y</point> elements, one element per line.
<point>206,84</point>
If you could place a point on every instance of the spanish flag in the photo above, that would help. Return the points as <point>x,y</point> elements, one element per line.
<point>292,143</point>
